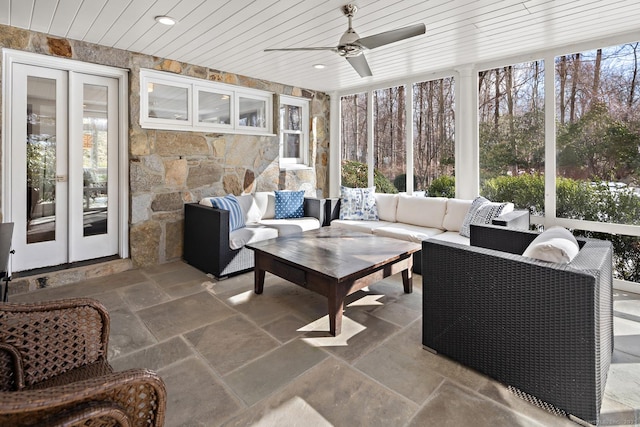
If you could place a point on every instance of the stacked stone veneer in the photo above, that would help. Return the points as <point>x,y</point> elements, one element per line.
<point>170,168</point>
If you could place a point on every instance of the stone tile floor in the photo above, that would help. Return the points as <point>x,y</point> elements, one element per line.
<point>233,358</point>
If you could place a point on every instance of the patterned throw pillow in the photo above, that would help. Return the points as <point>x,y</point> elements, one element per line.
<point>358,204</point>
<point>289,204</point>
<point>231,204</point>
<point>482,211</point>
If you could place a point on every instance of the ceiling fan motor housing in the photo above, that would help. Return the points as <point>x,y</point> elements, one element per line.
<point>348,46</point>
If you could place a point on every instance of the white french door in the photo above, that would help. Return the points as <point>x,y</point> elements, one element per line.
<point>64,178</point>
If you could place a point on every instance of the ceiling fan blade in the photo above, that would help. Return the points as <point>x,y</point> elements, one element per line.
<point>359,63</point>
<point>392,36</point>
<point>303,48</point>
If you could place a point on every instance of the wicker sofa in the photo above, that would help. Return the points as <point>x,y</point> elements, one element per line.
<point>210,246</point>
<point>416,218</point>
<point>54,370</point>
<point>544,329</point>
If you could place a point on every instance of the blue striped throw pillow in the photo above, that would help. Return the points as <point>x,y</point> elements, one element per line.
<point>231,204</point>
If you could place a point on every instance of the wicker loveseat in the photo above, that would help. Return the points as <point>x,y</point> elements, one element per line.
<point>210,246</point>
<point>54,370</point>
<point>545,329</point>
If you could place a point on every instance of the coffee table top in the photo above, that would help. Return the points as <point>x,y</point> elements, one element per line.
<point>335,252</point>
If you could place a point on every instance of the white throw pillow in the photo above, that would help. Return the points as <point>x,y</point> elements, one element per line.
<point>555,244</point>
<point>482,211</point>
<point>358,204</point>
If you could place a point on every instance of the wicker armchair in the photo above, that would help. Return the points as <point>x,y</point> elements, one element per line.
<point>544,329</point>
<point>54,370</point>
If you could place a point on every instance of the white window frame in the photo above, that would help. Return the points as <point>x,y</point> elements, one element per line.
<point>193,85</point>
<point>255,96</point>
<point>196,98</point>
<point>303,104</point>
<point>158,123</point>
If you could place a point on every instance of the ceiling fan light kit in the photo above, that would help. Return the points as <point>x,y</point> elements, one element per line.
<point>352,47</point>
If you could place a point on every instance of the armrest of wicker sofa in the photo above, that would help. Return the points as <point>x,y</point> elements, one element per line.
<point>332,208</point>
<point>519,219</point>
<point>315,207</point>
<point>504,239</point>
<point>73,332</point>
<point>206,238</point>
<point>137,395</point>
<point>543,328</point>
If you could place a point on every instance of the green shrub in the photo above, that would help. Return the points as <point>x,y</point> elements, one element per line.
<point>354,174</point>
<point>443,186</point>
<point>524,191</point>
<point>579,200</point>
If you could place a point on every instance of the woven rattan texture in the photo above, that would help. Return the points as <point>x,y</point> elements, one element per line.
<point>54,339</point>
<point>8,369</point>
<point>543,328</point>
<point>78,388</point>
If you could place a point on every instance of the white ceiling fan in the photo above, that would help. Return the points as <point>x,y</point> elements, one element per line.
<point>352,47</point>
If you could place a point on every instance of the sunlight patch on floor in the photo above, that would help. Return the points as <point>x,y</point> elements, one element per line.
<point>294,412</point>
<point>367,300</point>
<point>242,298</point>
<point>350,329</point>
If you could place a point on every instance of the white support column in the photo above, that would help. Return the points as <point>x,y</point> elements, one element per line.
<point>549,141</point>
<point>408,129</point>
<point>467,138</point>
<point>335,146</point>
<point>370,122</point>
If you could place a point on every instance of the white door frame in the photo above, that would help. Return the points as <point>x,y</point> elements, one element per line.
<point>49,251</point>
<point>9,57</point>
<point>83,247</point>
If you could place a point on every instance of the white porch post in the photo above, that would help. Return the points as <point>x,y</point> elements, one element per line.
<point>466,138</point>
<point>335,144</point>
<point>408,128</point>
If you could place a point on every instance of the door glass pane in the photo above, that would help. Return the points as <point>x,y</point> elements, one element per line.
<point>252,112</point>
<point>94,159</point>
<point>41,159</point>
<point>214,108</point>
<point>168,102</point>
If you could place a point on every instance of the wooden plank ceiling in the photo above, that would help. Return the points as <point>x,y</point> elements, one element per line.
<point>231,35</point>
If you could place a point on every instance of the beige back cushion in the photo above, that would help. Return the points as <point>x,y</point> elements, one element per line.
<point>387,205</point>
<point>250,208</point>
<point>456,211</point>
<point>266,202</point>
<point>423,211</point>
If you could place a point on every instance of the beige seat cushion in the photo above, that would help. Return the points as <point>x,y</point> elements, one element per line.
<point>361,226</point>
<point>250,234</point>
<point>292,225</point>
<point>411,233</point>
<point>453,237</point>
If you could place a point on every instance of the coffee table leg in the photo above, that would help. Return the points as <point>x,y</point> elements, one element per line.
<point>258,280</point>
<point>407,280</point>
<point>335,313</point>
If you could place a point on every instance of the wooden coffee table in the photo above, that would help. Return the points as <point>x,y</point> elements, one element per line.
<point>333,263</point>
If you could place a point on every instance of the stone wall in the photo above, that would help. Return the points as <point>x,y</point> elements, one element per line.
<point>170,168</point>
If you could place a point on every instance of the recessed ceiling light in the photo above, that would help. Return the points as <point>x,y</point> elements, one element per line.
<point>165,20</point>
<point>318,66</point>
